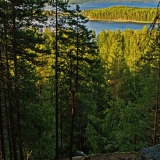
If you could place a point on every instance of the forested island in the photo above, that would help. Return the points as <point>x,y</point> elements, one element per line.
<point>122,13</point>
<point>63,89</point>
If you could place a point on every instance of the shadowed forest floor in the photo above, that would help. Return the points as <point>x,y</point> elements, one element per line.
<point>113,156</point>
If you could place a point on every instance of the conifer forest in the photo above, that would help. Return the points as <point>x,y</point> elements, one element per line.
<point>63,88</point>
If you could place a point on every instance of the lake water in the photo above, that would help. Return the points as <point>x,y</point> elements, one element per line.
<point>99,25</point>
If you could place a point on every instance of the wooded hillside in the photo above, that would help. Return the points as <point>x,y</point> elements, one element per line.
<point>63,89</point>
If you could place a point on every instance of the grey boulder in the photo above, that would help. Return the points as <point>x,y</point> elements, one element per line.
<point>150,153</point>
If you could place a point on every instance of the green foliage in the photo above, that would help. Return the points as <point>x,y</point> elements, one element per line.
<point>25,124</point>
<point>77,54</point>
<point>38,122</point>
<point>132,80</point>
<point>112,79</point>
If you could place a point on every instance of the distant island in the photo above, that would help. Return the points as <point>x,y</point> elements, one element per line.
<point>90,1</point>
<point>122,14</point>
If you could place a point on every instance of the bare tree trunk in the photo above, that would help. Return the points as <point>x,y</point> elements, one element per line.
<point>73,89</point>
<point>157,106</point>
<point>56,83</point>
<point>1,113</point>
<point>72,126</point>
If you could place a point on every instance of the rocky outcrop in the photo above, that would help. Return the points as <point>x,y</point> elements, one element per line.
<point>150,153</point>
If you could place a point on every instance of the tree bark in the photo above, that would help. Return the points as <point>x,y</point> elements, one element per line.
<point>1,117</point>
<point>56,83</point>
<point>157,106</point>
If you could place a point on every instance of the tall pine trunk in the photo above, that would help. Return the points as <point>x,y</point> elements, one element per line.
<point>56,83</point>
<point>1,111</point>
<point>73,90</point>
<point>157,106</point>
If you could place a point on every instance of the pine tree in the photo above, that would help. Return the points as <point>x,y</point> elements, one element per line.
<point>75,50</point>
<point>19,56</point>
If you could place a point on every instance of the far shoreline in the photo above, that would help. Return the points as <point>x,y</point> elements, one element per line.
<point>121,21</point>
